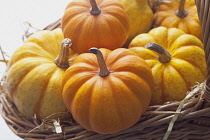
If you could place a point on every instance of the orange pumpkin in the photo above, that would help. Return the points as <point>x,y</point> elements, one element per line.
<point>108,95</point>
<point>180,14</point>
<point>177,62</point>
<point>105,24</point>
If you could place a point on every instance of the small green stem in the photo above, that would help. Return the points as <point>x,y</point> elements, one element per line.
<point>62,59</point>
<point>164,55</point>
<point>181,12</point>
<point>103,71</point>
<point>95,10</point>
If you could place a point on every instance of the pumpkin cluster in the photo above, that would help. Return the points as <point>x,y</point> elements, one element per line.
<point>108,62</point>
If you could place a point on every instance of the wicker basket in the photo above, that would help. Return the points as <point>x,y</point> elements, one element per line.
<point>187,119</point>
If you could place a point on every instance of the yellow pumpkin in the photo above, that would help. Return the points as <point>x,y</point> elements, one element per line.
<point>180,14</point>
<point>140,16</point>
<point>90,23</point>
<point>108,92</point>
<point>176,66</point>
<point>35,74</point>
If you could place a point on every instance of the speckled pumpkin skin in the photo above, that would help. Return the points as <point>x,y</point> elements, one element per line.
<point>186,67</point>
<point>34,81</point>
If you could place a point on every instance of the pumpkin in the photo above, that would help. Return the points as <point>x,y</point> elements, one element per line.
<point>180,14</point>
<point>108,92</point>
<point>35,75</point>
<point>176,59</point>
<point>140,16</point>
<point>103,24</point>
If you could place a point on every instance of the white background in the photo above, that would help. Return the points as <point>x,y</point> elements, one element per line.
<point>13,13</point>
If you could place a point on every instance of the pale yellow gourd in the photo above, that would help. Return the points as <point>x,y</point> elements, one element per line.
<point>35,74</point>
<point>140,17</point>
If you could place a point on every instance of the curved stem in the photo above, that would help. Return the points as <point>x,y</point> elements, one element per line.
<point>62,59</point>
<point>95,10</point>
<point>181,12</point>
<point>103,71</point>
<point>164,55</point>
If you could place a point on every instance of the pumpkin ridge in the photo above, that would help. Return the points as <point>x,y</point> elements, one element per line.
<point>156,40</point>
<point>118,110</point>
<point>161,68</point>
<point>45,34</point>
<point>89,112</point>
<point>120,26</point>
<point>40,49</point>
<point>139,97</point>
<point>195,65</point>
<point>38,104</point>
<point>123,67</point>
<point>86,66</point>
<point>106,26</point>
<point>103,4</point>
<point>26,55</point>
<point>192,42</point>
<point>13,90</point>
<point>180,73</point>
<point>129,90</point>
<point>173,23</point>
<point>189,45</point>
<point>91,116</point>
<point>189,61</point>
<point>118,57</point>
<point>114,57</point>
<point>164,95</point>
<point>185,82</point>
<point>76,17</point>
<point>87,29</point>
<point>27,90</point>
<point>88,89</point>
<point>68,81</point>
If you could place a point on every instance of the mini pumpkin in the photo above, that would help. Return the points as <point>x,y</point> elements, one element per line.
<point>180,14</point>
<point>89,23</point>
<point>35,74</point>
<point>108,92</point>
<point>177,61</point>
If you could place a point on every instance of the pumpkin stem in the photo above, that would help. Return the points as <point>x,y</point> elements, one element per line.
<point>94,10</point>
<point>103,71</point>
<point>164,55</point>
<point>62,59</point>
<point>181,12</point>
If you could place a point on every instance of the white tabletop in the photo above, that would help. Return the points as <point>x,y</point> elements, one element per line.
<point>13,14</point>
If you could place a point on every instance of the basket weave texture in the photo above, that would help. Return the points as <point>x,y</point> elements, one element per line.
<point>184,120</point>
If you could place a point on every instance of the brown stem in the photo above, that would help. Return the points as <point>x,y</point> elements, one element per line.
<point>181,12</point>
<point>103,71</point>
<point>62,59</point>
<point>164,55</point>
<point>94,10</point>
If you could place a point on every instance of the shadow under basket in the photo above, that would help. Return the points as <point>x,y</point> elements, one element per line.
<point>184,120</point>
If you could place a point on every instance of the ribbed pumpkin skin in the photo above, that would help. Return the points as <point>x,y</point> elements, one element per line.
<point>186,67</point>
<point>108,104</point>
<point>109,29</point>
<point>34,81</point>
<point>166,16</point>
